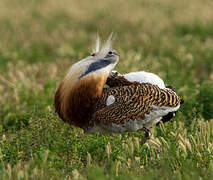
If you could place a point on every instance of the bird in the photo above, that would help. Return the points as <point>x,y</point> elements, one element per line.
<point>83,100</point>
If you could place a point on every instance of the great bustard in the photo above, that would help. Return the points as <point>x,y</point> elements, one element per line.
<point>125,106</point>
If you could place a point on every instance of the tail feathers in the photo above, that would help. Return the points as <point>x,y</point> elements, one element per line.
<point>170,115</point>
<point>173,89</point>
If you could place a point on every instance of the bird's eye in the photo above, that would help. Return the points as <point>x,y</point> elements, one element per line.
<point>93,54</point>
<point>110,52</point>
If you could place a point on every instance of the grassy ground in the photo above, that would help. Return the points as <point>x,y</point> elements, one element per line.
<point>40,39</point>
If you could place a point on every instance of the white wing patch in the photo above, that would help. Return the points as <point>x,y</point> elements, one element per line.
<point>145,77</point>
<point>110,100</point>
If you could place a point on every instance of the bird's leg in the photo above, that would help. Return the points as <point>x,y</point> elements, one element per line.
<point>146,137</point>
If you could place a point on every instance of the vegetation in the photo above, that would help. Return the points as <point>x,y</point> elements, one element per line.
<point>40,39</point>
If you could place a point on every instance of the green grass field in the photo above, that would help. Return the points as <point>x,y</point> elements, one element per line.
<point>40,39</point>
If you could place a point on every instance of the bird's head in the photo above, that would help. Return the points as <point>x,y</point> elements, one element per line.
<point>100,62</point>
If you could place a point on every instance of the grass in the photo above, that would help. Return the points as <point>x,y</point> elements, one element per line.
<point>41,39</point>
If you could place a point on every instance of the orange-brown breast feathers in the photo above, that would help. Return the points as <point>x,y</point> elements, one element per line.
<point>74,102</point>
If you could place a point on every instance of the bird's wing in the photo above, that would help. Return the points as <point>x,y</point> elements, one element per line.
<point>134,102</point>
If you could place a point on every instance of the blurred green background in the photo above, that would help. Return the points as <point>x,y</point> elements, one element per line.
<point>40,39</point>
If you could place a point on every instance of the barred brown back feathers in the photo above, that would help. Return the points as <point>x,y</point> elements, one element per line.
<point>132,102</point>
